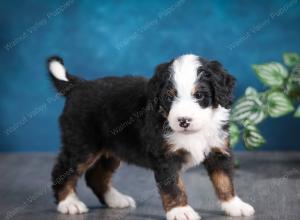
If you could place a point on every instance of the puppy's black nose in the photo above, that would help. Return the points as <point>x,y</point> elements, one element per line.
<point>184,122</point>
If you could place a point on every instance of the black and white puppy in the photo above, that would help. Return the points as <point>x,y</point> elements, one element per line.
<point>174,121</point>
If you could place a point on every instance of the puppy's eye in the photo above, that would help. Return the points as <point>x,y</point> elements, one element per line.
<point>203,73</point>
<point>199,96</point>
<point>170,95</point>
<point>169,98</point>
<point>200,72</point>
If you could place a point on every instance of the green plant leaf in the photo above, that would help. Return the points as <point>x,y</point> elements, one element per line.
<point>234,134</point>
<point>250,91</point>
<point>248,108</point>
<point>293,84</point>
<point>251,136</point>
<point>271,74</point>
<point>291,59</point>
<point>278,104</point>
<point>297,112</point>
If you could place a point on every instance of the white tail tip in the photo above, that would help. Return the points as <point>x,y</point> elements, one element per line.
<point>58,70</point>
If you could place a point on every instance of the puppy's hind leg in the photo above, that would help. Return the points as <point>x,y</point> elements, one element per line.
<point>65,174</point>
<point>98,178</point>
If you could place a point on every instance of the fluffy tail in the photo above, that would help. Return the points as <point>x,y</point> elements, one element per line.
<point>62,80</point>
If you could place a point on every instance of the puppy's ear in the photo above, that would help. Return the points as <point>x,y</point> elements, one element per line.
<point>156,83</point>
<point>223,84</point>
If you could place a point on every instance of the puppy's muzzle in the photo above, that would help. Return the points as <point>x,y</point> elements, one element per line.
<point>184,122</point>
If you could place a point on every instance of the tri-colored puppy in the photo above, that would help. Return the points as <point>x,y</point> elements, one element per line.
<point>174,121</point>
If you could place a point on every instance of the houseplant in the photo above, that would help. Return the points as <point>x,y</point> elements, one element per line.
<point>280,97</point>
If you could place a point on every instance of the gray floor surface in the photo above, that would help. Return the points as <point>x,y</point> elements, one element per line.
<point>269,181</point>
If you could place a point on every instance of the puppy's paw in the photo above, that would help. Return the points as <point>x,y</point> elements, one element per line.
<point>236,207</point>
<point>71,205</point>
<point>114,199</point>
<point>182,213</point>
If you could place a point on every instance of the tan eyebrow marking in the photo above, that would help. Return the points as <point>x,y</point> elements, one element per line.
<point>195,89</point>
<point>171,92</point>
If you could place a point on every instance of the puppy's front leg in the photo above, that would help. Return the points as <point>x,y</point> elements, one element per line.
<point>173,196</point>
<point>219,166</point>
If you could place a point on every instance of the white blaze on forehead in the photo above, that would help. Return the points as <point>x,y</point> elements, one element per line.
<point>185,74</point>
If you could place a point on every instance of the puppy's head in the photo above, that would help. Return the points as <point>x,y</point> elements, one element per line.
<point>189,90</point>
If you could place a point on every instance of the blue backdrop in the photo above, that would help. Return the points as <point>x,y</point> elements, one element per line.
<point>98,38</point>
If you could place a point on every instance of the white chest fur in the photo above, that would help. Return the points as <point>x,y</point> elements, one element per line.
<point>199,143</point>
